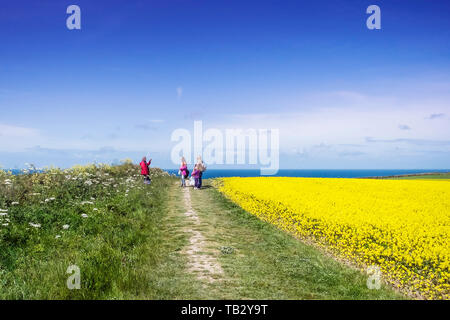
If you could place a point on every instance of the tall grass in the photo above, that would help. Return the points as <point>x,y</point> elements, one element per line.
<point>102,219</point>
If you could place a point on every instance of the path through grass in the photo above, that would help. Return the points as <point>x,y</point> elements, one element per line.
<point>133,241</point>
<point>261,262</point>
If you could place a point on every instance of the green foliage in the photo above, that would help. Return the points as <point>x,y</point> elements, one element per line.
<point>263,262</point>
<point>103,219</point>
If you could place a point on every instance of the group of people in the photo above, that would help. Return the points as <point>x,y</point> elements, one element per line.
<point>196,174</point>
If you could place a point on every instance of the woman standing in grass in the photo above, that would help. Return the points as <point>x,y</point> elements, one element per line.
<point>145,170</point>
<point>183,171</point>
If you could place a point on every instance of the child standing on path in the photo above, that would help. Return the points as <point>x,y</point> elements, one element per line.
<point>202,168</point>
<point>183,172</point>
<point>196,175</point>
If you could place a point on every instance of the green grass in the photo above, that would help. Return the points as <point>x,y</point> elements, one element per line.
<point>116,247</point>
<point>437,176</point>
<point>168,278</point>
<point>132,244</point>
<point>268,263</point>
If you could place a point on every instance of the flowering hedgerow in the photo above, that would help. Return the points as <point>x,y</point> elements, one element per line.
<point>94,216</point>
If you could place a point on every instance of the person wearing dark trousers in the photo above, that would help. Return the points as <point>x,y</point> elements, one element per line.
<point>145,171</point>
<point>200,179</point>
<point>196,174</point>
<point>201,168</point>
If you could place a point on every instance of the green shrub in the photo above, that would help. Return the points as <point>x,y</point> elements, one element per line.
<point>110,213</point>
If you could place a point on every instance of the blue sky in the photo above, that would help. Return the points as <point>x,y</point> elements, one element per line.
<point>341,95</point>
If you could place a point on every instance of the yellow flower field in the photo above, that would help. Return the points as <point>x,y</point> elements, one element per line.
<point>402,226</point>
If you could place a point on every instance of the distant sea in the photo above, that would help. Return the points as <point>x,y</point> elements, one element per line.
<point>306,173</point>
<point>18,171</point>
<point>317,173</point>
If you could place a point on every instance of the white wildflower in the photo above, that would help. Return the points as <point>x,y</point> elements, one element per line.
<point>14,203</point>
<point>66,226</point>
<point>35,225</point>
<point>84,215</point>
<point>57,236</point>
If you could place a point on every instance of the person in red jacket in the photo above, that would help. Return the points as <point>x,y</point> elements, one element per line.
<point>145,170</point>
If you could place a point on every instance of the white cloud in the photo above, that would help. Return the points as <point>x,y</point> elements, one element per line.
<point>404,127</point>
<point>344,126</point>
<point>17,132</point>
<point>15,138</point>
<point>330,126</point>
<point>436,116</point>
<point>350,95</point>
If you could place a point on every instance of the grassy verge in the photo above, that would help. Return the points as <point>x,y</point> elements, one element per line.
<point>432,176</point>
<point>102,219</point>
<point>262,262</point>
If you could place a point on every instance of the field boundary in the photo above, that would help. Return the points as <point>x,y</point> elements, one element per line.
<point>409,175</point>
